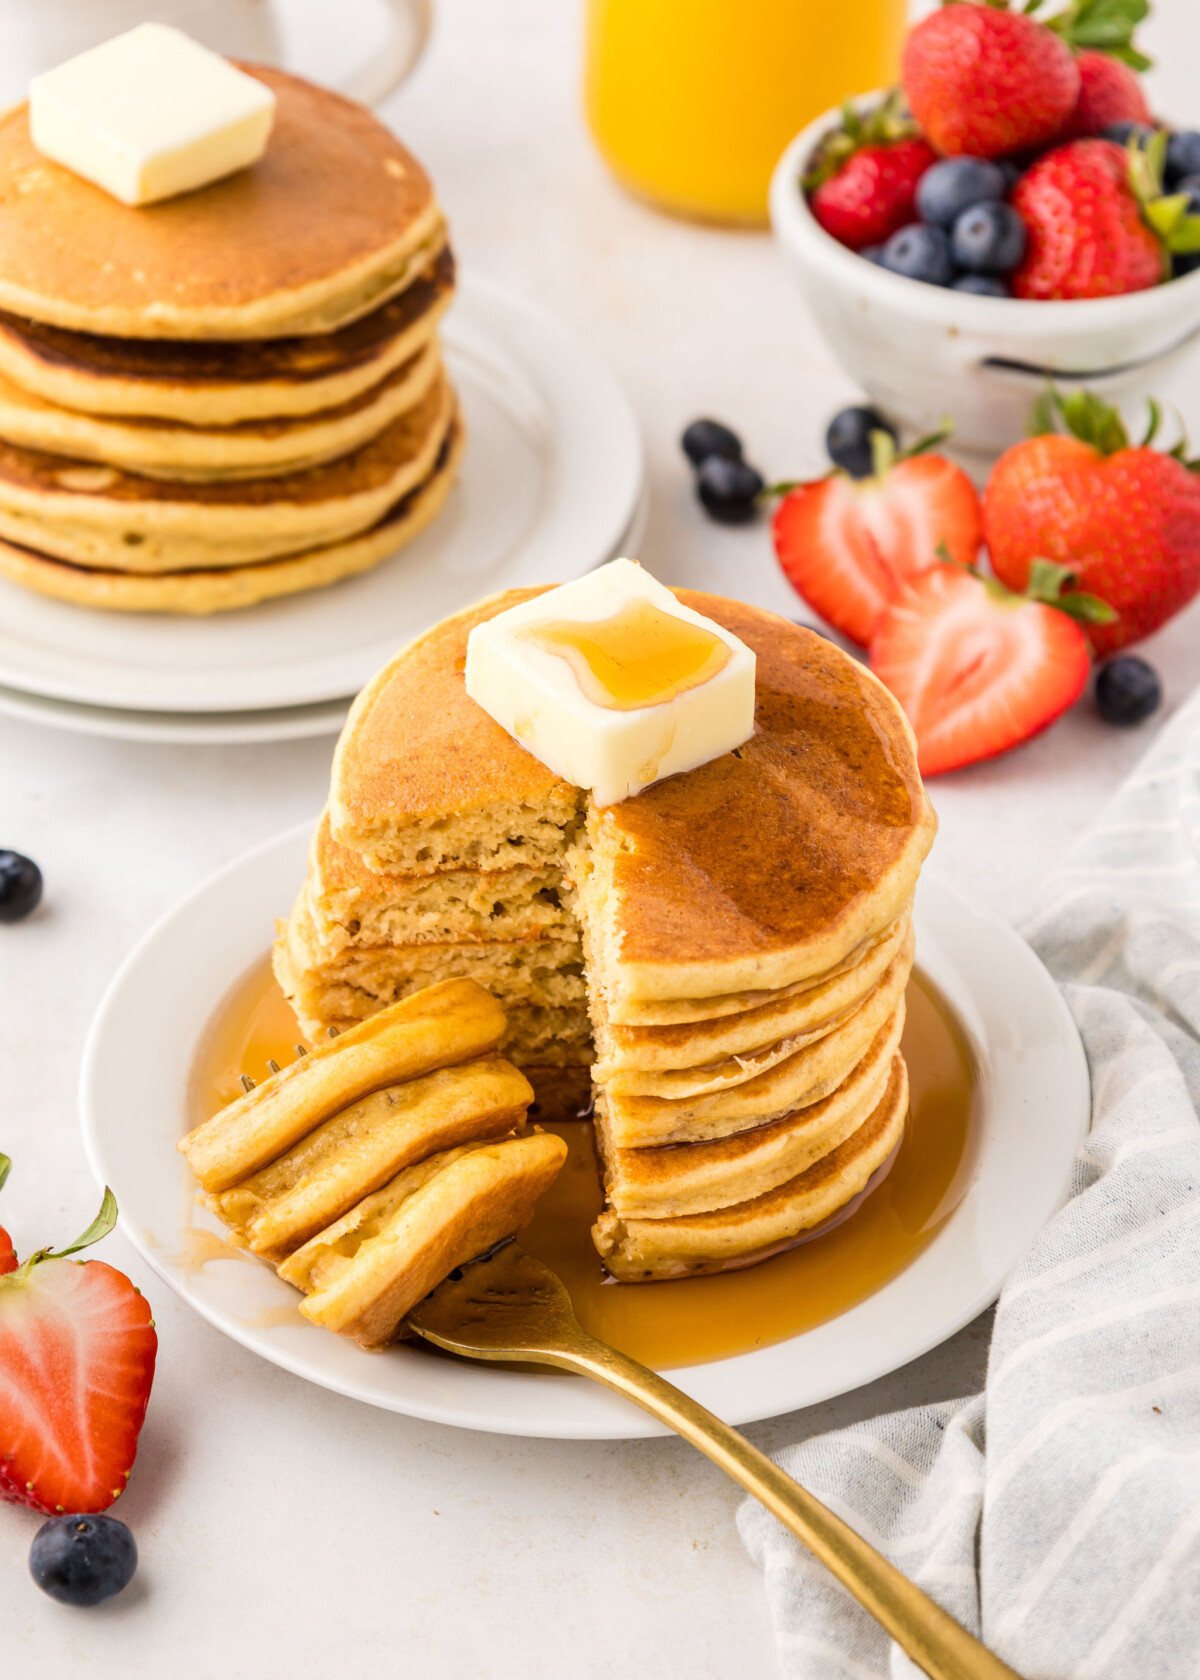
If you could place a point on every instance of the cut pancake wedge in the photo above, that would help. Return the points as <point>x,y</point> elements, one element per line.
<point>641,1250</point>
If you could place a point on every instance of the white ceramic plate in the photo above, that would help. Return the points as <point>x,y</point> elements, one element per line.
<point>1034,1114</point>
<point>549,484</point>
<point>213,729</point>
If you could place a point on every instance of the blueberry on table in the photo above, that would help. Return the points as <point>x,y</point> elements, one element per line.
<point>983,285</point>
<point>954,185</point>
<point>1128,690</point>
<point>920,252</point>
<point>988,239</point>
<point>82,1559</point>
<point>708,437</point>
<point>728,490</point>
<point>1122,132</point>
<point>20,886</point>
<point>848,440</point>
<point>1182,159</point>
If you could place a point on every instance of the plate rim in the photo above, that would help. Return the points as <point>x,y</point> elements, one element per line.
<point>620,1420</point>
<point>476,294</point>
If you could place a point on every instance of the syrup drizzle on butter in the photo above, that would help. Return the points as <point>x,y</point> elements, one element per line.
<point>641,656</point>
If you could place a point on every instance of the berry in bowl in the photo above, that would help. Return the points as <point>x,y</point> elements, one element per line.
<point>1011,215</point>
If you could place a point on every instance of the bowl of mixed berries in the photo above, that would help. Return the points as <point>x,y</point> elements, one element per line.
<point>1012,213</point>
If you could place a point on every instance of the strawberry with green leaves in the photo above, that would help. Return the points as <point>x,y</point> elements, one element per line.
<point>979,669</point>
<point>1124,517</point>
<point>863,180</point>
<point>77,1351</point>
<point>847,544</point>
<point>1100,33</point>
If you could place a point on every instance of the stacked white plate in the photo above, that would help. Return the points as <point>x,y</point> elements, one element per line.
<point>551,486</point>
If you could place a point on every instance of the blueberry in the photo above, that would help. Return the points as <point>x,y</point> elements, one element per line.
<point>728,490</point>
<point>920,252</point>
<point>1184,262</point>
<point>20,886</point>
<point>1183,157</point>
<point>1190,184</point>
<point>873,254</point>
<point>1127,690</point>
<point>848,440</point>
<point>82,1559</point>
<point>1123,131</point>
<point>1012,171</point>
<point>988,239</point>
<point>983,285</point>
<point>948,188</point>
<point>708,437</point>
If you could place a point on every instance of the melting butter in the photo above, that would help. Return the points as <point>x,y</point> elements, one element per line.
<point>641,656</point>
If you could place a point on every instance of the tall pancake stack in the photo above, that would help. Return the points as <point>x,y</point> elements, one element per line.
<point>230,395</point>
<point>742,931</point>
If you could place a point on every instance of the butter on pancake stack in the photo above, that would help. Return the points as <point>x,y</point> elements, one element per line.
<point>230,395</point>
<point>742,931</point>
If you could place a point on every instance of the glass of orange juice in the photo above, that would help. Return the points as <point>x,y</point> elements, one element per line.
<point>691,102</point>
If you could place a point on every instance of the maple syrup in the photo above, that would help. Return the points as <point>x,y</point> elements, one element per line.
<point>641,656</point>
<point>690,1320</point>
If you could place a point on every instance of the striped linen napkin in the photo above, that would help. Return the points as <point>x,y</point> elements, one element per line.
<point>1057,1514</point>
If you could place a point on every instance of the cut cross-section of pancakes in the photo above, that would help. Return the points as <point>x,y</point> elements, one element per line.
<point>379,1161</point>
<point>255,387</point>
<point>729,948</point>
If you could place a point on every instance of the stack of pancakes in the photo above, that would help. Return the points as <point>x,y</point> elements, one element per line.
<point>231,395</point>
<point>741,933</point>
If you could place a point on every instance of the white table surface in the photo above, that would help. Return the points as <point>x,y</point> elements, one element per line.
<point>285,1532</point>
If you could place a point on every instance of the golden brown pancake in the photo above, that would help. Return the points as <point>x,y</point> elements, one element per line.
<point>116,521</point>
<point>698,1177</point>
<point>637,1250</point>
<point>336,217</point>
<point>226,589</point>
<point>170,450</point>
<point>214,383</point>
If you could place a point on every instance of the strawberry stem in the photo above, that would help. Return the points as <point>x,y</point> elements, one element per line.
<point>5,1169</point>
<point>1048,583</point>
<point>100,1227</point>
<point>1102,25</point>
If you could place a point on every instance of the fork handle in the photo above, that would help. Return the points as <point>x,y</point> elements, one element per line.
<point>923,1630</point>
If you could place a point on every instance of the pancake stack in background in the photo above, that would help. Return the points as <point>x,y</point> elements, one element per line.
<point>230,395</point>
<point>742,933</point>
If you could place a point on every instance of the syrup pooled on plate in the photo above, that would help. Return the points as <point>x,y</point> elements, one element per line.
<point>641,656</point>
<point>690,1320</point>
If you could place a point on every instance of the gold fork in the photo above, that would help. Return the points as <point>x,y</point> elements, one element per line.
<point>509,1306</point>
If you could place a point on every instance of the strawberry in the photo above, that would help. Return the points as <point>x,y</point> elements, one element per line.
<point>8,1256</point>
<point>986,80</point>
<point>1109,92</point>
<point>1086,233</point>
<point>863,180</point>
<point>848,544</point>
<point>1126,519</point>
<point>77,1348</point>
<point>977,670</point>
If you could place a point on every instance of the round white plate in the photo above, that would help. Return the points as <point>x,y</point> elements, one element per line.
<point>1034,1114</point>
<point>550,482</point>
<point>213,729</point>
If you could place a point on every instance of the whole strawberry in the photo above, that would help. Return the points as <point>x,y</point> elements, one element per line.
<point>863,181</point>
<point>1125,518</point>
<point>1109,92</point>
<point>77,1350</point>
<point>985,80</point>
<point>1087,236</point>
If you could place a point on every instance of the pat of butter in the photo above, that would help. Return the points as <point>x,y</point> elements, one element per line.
<point>612,683</point>
<point>150,114</point>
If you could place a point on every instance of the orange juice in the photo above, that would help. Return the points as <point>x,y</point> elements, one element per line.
<point>692,101</point>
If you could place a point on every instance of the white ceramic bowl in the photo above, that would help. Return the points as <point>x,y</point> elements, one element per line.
<point>922,352</point>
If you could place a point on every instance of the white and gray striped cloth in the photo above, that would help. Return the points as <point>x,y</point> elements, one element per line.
<point>1057,1514</point>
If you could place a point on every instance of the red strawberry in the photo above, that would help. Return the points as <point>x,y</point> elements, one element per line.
<point>848,544</point>
<point>8,1256</point>
<point>77,1349</point>
<point>1126,520</point>
<point>1109,92</point>
<point>873,193</point>
<point>977,670</point>
<point>985,80</point>
<point>1086,234</point>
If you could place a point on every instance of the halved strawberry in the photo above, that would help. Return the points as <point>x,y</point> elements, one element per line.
<point>77,1350</point>
<point>8,1254</point>
<point>977,669</point>
<point>847,545</point>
